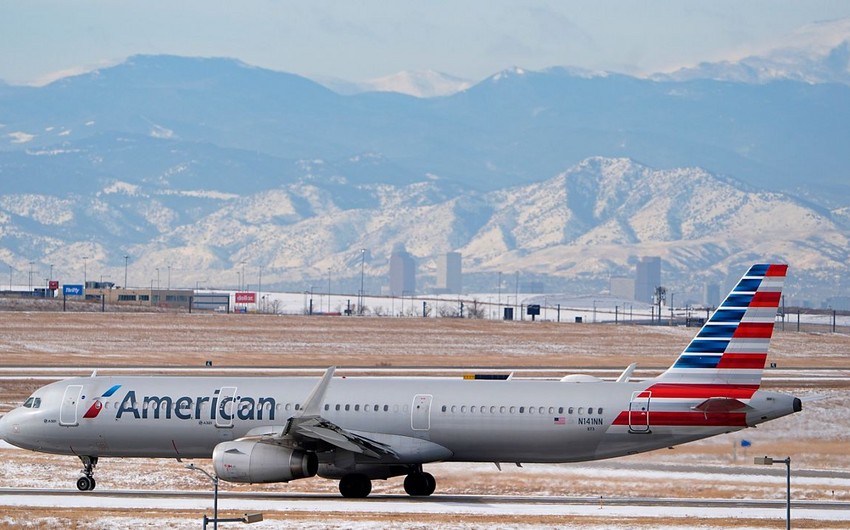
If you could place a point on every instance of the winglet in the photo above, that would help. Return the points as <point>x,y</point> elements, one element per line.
<point>313,404</point>
<point>627,373</point>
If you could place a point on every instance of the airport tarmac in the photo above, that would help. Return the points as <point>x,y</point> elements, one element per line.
<point>296,510</point>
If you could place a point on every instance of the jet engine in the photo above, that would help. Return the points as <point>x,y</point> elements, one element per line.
<point>250,461</point>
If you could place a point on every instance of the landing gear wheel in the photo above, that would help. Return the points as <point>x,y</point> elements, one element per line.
<point>355,486</point>
<point>420,484</point>
<point>85,483</point>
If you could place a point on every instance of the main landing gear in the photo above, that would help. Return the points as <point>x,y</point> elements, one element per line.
<point>86,482</point>
<point>420,484</point>
<point>417,483</point>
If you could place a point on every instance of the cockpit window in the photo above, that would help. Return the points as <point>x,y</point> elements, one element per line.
<point>32,403</point>
<point>36,403</point>
<point>28,403</point>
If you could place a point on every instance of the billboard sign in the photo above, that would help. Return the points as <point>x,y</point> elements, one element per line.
<point>246,298</point>
<point>53,285</point>
<point>72,290</point>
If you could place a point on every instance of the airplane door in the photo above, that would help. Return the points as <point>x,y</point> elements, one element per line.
<point>639,412</point>
<point>68,409</point>
<point>420,412</point>
<point>227,407</point>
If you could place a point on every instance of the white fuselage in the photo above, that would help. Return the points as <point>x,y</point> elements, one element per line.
<point>426,419</point>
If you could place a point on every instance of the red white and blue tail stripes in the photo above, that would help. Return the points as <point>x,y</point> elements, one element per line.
<point>731,347</point>
<point>713,380</point>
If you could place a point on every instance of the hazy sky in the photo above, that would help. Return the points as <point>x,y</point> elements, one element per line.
<point>358,40</point>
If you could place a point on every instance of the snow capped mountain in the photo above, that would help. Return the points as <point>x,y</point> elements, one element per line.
<point>591,221</point>
<point>426,84</point>
<point>815,53</point>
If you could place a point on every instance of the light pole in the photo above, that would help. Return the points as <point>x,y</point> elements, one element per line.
<point>243,275</point>
<point>362,261</point>
<point>215,495</point>
<point>85,268</point>
<point>767,461</point>
<point>10,277</point>
<point>260,288</point>
<point>329,290</point>
<point>516,299</point>
<point>126,259</point>
<point>499,302</point>
<point>169,277</point>
<point>157,278</point>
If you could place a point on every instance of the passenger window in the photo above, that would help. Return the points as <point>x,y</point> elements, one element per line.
<point>377,407</point>
<point>472,409</point>
<point>502,409</point>
<point>551,410</point>
<point>521,410</point>
<point>581,410</point>
<point>327,407</point>
<point>531,410</point>
<point>297,406</point>
<point>337,407</point>
<point>356,408</point>
<point>444,408</point>
<point>387,408</point>
<point>492,409</point>
<point>541,410</point>
<point>347,407</point>
<point>570,411</point>
<point>599,411</point>
<point>288,406</point>
<point>463,409</point>
<point>513,409</point>
<point>454,409</point>
<point>590,410</point>
<point>560,410</point>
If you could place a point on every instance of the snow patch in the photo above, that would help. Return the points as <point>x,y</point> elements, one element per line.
<point>20,137</point>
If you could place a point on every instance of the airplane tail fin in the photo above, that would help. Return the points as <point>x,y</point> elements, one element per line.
<point>731,348</point>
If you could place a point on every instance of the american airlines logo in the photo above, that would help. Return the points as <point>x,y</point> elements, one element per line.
<point>97,406</point>
<point>212,408</point>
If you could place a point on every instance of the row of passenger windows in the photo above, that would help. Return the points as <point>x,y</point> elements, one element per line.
<point>453,409</point>
<point>492,409</point>
<point>357,408</point>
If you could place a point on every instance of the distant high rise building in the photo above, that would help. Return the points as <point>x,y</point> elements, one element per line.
<point>712,295</point>
<point>449,273</point>
<point>647,278</point>
<point>402,272</point>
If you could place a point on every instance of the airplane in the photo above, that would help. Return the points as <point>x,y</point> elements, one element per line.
<point>360,429</point>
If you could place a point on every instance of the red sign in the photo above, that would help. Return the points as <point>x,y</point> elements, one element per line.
<point>246,298</point>
<point>53,285</point>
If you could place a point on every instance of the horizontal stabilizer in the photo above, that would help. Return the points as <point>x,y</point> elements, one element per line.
<point>722,404</point>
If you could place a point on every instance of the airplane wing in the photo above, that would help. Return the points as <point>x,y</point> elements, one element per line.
<point>308,427</point>
<point>318,428</point>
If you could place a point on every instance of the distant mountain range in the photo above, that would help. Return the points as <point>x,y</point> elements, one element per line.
<point>199,165</point>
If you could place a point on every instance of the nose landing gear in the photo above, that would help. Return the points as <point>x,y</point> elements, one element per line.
<point>86,482</point>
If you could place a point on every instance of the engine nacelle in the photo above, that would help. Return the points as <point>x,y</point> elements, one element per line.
<point>249,461</point>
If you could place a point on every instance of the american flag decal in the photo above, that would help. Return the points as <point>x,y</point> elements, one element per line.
<point>560,420</point>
